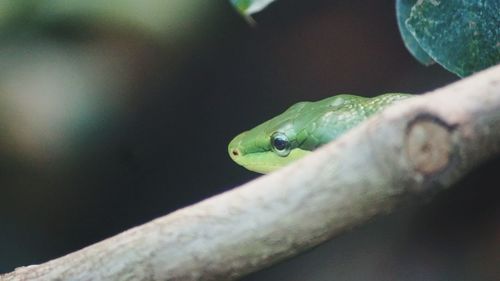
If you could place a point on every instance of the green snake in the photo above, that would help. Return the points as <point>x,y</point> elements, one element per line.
<point>302,128</point>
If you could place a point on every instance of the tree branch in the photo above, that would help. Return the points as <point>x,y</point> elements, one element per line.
<point>412,149</point>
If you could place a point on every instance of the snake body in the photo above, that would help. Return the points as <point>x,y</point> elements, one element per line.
<point>302,128</point>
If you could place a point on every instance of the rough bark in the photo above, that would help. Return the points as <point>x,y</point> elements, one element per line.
<point>413,149</point>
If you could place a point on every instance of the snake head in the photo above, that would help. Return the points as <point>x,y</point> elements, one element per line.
<point>271,145</point>
<point>302,128</point>
<point>259,155</point>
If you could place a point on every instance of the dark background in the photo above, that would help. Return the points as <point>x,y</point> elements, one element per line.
<point>111,116</point>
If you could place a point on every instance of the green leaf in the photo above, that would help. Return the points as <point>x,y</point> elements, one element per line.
<point>403,9</point>
<point>249,7</point>
<point>461,35</point>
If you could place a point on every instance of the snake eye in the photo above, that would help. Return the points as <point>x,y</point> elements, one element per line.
<point>280,144</point>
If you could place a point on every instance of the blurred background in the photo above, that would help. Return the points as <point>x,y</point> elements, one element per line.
<point>113,113</point>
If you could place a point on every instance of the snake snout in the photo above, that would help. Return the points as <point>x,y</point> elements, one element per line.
<point>235,152</point>
<point>235,147</point>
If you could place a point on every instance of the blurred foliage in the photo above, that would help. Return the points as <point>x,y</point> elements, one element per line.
<point>69,87</point>
<point>53,95</point>
<point>158,17</point>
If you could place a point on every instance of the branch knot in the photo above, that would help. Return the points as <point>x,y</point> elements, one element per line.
<point>428,144</point>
